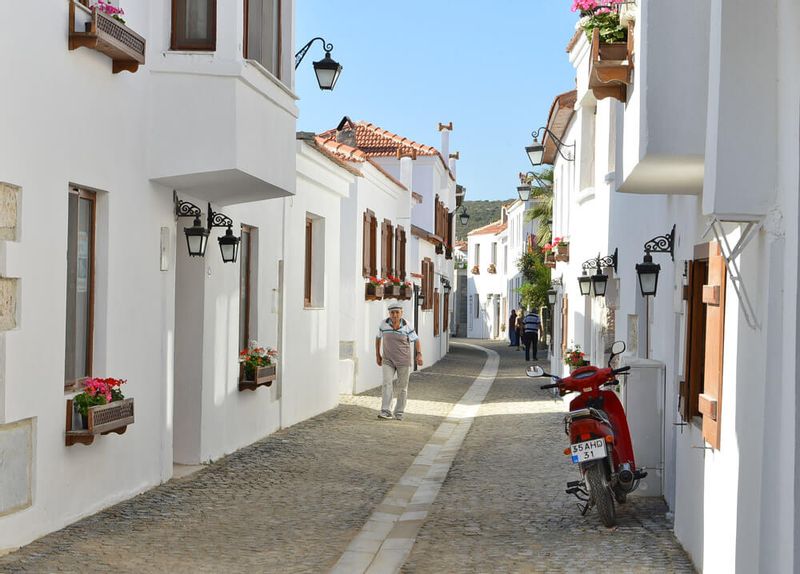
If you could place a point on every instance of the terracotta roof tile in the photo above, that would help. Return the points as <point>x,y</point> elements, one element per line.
<point>373,141</point>
<point>493,228</point>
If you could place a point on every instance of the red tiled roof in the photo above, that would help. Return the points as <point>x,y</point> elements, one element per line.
<point>373,141</point>
<point>493,228</point>
<point>345,152</point>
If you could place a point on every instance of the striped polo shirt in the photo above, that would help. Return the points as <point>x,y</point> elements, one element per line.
<point>397,343</point>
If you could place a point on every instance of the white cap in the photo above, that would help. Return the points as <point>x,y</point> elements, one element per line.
<point>393,306</point>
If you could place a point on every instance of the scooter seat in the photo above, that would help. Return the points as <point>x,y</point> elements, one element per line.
<point>586,413</point>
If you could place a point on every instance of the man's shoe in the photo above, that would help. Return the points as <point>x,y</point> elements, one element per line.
<point>384,415</point>
<point>398,416</point>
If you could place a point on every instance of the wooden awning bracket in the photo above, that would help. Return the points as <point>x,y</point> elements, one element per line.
<point>751,228</point>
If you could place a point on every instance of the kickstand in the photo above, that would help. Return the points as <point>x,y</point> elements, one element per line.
<point>584,508</point>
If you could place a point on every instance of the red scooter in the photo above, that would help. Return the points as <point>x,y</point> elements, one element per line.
<point>600,442</point>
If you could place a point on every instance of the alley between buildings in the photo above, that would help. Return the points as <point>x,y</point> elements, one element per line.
<point>346,491</point>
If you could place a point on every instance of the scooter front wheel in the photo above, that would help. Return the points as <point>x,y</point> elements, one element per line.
<point>601,494</point>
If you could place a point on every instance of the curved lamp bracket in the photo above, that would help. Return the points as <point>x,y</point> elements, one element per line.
<point>301,53</point>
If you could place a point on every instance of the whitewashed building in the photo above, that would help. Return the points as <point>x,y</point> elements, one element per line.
<point>493,275</point>
<point>684,141</point>
<point>95,273</point>
<point>406,190</point>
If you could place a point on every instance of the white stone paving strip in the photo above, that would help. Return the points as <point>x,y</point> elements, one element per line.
<point>386,539</point>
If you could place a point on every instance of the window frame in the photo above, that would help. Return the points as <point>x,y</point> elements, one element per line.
<point>308,264</point>
<point>90,196</point>
<point>387,248</point>
<point>176,44</point>
<point>400,252</point>
<point>246,240</point>
<point>279,41</point>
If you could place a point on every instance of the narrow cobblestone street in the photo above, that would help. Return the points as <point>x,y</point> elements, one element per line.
<point>301,499</point>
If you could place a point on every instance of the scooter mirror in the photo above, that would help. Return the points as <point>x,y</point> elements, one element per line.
<point>618,347</point>
<point>534,371</point>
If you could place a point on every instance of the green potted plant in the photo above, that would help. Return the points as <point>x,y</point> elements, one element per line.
<point>574,357</point>
<point>100,408</point>
<point>257,366</point>
<point>374,288</point>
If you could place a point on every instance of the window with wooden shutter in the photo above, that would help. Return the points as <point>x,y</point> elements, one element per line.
<point>691,383</point>
<point>400,252</point>
<point>387,248</point>
<point>368,244</point>
<point>309,262</point>
<point>710,400</point>
<point>262,33</point>
<point>446,313</point>
<point>427,283</point>
<point>435,312</point>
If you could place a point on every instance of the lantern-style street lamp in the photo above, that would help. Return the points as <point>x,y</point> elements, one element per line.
<point>327,69</point>
<point>196,238</point>
<point>464,217</point>
<point>647,270</point>
<point>535,151</point>
<point>596,284</point>
<point>551,296</point>
<point>524,192</point>
<point>197,234</point>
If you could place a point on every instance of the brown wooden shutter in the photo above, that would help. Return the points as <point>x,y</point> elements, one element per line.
<point>710,401</point>
<point>308,266</point>
<point>564,322</point>
<point>373,247</point>
<point>384,255</point>
<point>431,276</point>
<point>365,245</point>
<point>694,359</point>
<point>435,312</point>
<point>446,313</point>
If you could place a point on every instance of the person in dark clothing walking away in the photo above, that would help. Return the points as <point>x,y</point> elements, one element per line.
<point>512,329</point>
<point>530,335</point>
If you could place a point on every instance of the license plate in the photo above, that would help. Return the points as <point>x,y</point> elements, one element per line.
<point>589,450</point>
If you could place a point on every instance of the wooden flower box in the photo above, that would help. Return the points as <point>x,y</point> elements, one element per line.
<point>562,252</point>
<point>391,292</point>
<point>264,376</point>
<point>373,292</point>
<point>491,268</point>
<point>611,65</point>
<point>101,419</point>
<point>475,270</point>
<point>405,293</point>
<point>92,29</point>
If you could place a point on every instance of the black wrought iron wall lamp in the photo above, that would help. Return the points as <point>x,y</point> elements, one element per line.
<point>535,151</point>
<point>596,283</point>
<point>197,234</point>
<point>647,270</point>
<point>327,69</point>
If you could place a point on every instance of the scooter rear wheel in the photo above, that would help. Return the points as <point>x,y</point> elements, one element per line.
<point>601,494</point>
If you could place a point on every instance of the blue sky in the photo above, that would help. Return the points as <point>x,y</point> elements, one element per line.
<point>492,68</point>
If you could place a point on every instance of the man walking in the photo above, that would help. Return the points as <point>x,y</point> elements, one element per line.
<point>530,335</point>
<point>397,337</point>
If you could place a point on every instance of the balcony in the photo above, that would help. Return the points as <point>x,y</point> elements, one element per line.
<point>223,130</point>
<point>88,28</point>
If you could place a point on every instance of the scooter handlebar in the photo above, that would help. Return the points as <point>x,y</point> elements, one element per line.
<point>549,386</point>
<point>624,369</point>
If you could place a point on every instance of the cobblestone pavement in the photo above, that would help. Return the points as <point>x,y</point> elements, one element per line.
<point>294,501</point>
<point>502,507</point>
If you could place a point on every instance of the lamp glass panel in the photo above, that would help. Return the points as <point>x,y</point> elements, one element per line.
<point>327,71</point>
<point>464,219</point>
<point>228,250</point>
<point>585,284</point>
<point>524,192</point>
<point>599,283</point>
<point>648,282</point>
<point>551,297</point>
<point>197,244</point>
<point>535,154</point>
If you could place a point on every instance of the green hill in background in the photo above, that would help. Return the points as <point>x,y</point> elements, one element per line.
<point>480,213</point>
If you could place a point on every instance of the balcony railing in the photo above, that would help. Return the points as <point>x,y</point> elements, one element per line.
<point>91,29</point>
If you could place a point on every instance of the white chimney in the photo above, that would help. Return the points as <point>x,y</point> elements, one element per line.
<point>406,172</point>
<point>445,130</point>
<point>452,161</point>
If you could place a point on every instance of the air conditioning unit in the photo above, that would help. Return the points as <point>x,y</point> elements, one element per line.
<point>642,395</point>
